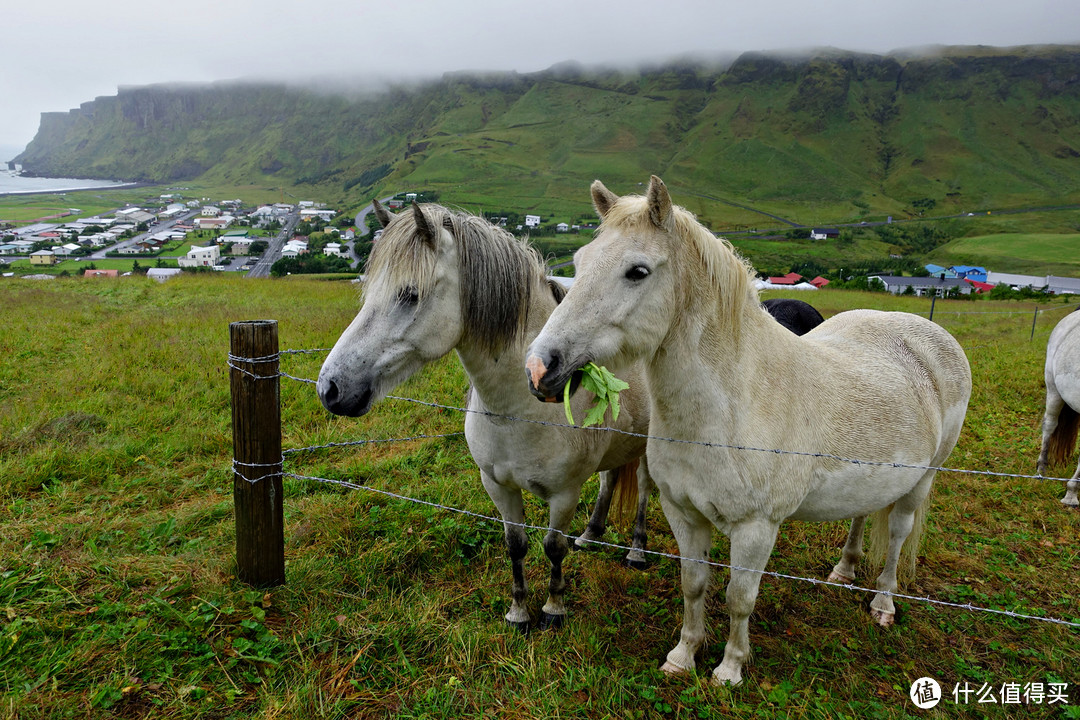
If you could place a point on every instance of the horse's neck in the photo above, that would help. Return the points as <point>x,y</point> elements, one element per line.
<point>498,379</point>
<point>702,370</point>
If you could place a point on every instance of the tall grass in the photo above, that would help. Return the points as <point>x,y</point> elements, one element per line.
<point>118,595</point>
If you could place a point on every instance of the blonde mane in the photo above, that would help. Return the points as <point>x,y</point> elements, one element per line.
<point>498,271</point>
<point>725,279</point>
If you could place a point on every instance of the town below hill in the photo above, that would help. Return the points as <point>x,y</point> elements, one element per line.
<point>172,234</point>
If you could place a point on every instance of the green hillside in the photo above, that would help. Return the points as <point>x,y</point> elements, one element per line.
<point>830,137</point>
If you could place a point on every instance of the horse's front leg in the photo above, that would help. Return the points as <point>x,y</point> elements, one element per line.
<point>508,502</point>
<point>693,533</point>
<point>751,543</point>
<point>556,546</point>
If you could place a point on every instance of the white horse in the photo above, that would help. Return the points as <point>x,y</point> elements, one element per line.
<point>439,281</point>
<point>1061,422</point>
<point>891,388</point>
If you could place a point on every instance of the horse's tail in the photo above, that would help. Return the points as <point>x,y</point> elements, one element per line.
<point>1062,441</point>
<point>879,540</point>
<point>624,494</point>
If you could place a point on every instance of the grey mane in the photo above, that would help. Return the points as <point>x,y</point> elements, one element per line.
<point>498,272</point>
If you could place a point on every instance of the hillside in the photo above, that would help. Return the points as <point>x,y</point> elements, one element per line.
<point>830,136</point>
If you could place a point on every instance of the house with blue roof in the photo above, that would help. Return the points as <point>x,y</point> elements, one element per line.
<point>938,271</point>
<point>970,272</point>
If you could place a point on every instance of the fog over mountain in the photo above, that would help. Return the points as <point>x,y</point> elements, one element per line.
<point>71,52</point>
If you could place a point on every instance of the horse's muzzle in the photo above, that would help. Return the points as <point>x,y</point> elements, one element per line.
<point>335,401</point>
<point>548,376</point>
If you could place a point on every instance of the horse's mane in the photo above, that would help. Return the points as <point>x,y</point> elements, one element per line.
<point>725,280</point>
<point>498,271</point>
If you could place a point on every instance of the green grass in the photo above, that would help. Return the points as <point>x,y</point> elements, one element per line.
<point>118,594</point>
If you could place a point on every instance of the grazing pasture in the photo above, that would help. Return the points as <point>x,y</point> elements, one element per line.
<point>117,581</point>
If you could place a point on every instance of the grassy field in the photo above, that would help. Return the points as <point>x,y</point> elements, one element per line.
<point>1034,252</point>
<point>117,575</point>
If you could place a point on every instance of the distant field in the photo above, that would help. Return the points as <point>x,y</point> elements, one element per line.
<point>1037,253</point>
<point>23,209</point>
<point>75,266</point>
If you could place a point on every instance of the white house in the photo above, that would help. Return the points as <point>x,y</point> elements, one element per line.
<point>134,215</point>
<point>333,249</point>
<point>310,213</point>
<point>201,256</point>
<point>562,227</point>
<point>532,221</point>
<point>210,211</point>
<point>162,274</point>
<point>65,250</point>
<point>294,248</point>
<point>921,285</point>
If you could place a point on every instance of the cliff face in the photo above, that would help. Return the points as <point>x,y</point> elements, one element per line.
<point>965,123</point>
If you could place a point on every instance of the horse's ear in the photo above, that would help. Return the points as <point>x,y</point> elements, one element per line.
<point>423,228</point>
<point>602,198</point>
<point>381,214</point>
<point>659,203</point>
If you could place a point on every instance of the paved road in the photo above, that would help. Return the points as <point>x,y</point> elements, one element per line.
<point>262,267</point>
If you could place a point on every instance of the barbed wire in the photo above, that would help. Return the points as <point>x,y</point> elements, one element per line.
<point>278,470</point>
<point>683,441</point>
<point>659,554</point>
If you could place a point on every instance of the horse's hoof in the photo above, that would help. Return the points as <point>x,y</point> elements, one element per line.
<point>720,680</point>
<point>521,626</point>
<point>835,577</point>
<point>1074,505</point>
<point>585,545</point>
<point>551,622</point>
<point>636,564</point>
<point>882,618</point>
<point>670,668</point>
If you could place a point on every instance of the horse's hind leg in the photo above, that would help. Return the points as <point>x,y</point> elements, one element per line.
<point>556,546</point>
<point>844,571</point>
<point>598,520</point>
<point>1071,487</point>
<point>1054,405</point>
<point>508,502</point>
<point>901,523</point>
<point>636,557</point>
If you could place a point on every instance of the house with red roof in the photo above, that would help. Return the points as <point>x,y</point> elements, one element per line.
<point>791,278</point>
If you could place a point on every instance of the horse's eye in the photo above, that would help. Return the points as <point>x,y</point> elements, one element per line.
<point>638,272</point>
<point>407,296</point>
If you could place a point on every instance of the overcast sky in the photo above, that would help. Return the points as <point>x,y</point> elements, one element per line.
<point>60,53</point>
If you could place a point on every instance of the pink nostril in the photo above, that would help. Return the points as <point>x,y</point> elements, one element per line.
<point>536,370</point>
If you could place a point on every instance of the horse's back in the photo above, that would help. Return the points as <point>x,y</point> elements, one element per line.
<point>1063,360</point>
<point>921,350</point>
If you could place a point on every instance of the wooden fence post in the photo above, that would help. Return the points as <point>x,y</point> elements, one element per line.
<point>257,482</point>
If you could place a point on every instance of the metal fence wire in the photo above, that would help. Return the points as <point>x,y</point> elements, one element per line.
<point>254,472</point>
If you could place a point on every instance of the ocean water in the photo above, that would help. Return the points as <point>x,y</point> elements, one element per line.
<point>10,183</point>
